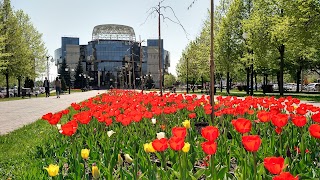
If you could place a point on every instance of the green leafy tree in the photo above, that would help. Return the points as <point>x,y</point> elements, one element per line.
<point>78,79</point>
<point>64,75</point>
<point>32,50</point>
<point>169,80</point>
<point>12,43</point>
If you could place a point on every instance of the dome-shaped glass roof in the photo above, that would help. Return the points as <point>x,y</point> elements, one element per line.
<point>113,32</point>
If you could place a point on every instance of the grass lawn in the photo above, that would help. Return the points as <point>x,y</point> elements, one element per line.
<point>18,149</point>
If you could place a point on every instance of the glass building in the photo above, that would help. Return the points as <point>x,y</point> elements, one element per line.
<point>113,57</point>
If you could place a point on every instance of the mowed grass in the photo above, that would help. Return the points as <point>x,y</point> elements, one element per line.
<point>19,149</point>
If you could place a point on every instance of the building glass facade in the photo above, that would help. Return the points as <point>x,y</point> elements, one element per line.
<point>113,62</point>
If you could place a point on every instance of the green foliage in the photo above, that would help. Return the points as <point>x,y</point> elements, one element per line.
<point>21,47</point>
<point>169,80</point>
<point>78,78</point>
<point>64,75</point>
<point>282,38</point>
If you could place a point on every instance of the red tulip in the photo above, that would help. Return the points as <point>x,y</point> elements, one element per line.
<point>279,120</point>
<point>160,144</point>
<point>278,130</point>
<point>209,147</point>
<point>242,125</point>
<point>55,118</point>
<point>47,116</point>
<point>192,115</point>
<point>179,132</point>
<point>69,128</point>
<point>285,176</point>
<point>299,121</point>
<point>263,116</point>
<point>302,110</point>
<point>315,117</point>
<point>176,143</point>
<point>251,143</point>
<point>211,133</point>
<point>314,130</point>
<point>275,165</point>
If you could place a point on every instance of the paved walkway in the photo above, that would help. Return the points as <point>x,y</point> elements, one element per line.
<point>15,114</point>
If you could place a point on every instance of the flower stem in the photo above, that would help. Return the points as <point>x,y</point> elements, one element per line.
<point>163,159</point>
<point>213,168</point>
<point>254,165</point>
<point>181,159</point>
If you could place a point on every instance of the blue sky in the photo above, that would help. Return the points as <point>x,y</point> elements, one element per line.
<point>77,18</point>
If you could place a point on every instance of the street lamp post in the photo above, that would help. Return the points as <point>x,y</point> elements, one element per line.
<point>48,65</point>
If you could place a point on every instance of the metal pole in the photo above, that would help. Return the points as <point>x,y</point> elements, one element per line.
<point>48,67</point>
<point>159,45</point>
<point>212,62</point>
<point>141,54</point>
<point>187,76</point>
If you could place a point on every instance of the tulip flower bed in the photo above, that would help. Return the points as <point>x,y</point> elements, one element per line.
<point>131,135</point>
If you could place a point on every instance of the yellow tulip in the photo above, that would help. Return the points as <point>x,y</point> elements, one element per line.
<point>120,160</point>
<point>148,148</point>
<point>128,158</point>
<point>53,170</point>
<point>186,147</point>
<point>186,124</point>
<point>85,153</point>
<point>95,171</point>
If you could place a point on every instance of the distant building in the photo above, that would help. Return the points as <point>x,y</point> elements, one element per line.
<point>114,57</point>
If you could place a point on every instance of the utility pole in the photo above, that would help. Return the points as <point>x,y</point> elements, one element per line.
<point>212,62</point>
<point>159,45</point>
<point>187,76</point>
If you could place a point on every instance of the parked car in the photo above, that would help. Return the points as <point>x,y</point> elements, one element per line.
<point>313,87</point>
<point>4,91</point>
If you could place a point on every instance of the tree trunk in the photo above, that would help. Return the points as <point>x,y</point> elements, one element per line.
<point>251,90</point>
<point>281,51</point>
<point>266,79</point>
<point>19,86</point>
<point>248,81</point>
<point>230,83</point>
<point>255,81</point>
<point>221,83</point>
<point>298,76</point>
<point>228,79</point>
<point>7,84</point>
<point>264,84</point>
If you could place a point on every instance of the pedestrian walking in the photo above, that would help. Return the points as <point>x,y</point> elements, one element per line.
<point>57,84</point>
<point>46,85</point>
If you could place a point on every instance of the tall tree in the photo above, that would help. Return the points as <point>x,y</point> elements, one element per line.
<point>64,75</point>
<point>78,83</point>
<point>13,35</point>
<point>169,80</point>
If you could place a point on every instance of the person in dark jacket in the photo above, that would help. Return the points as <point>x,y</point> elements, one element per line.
<point>46,85</point>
